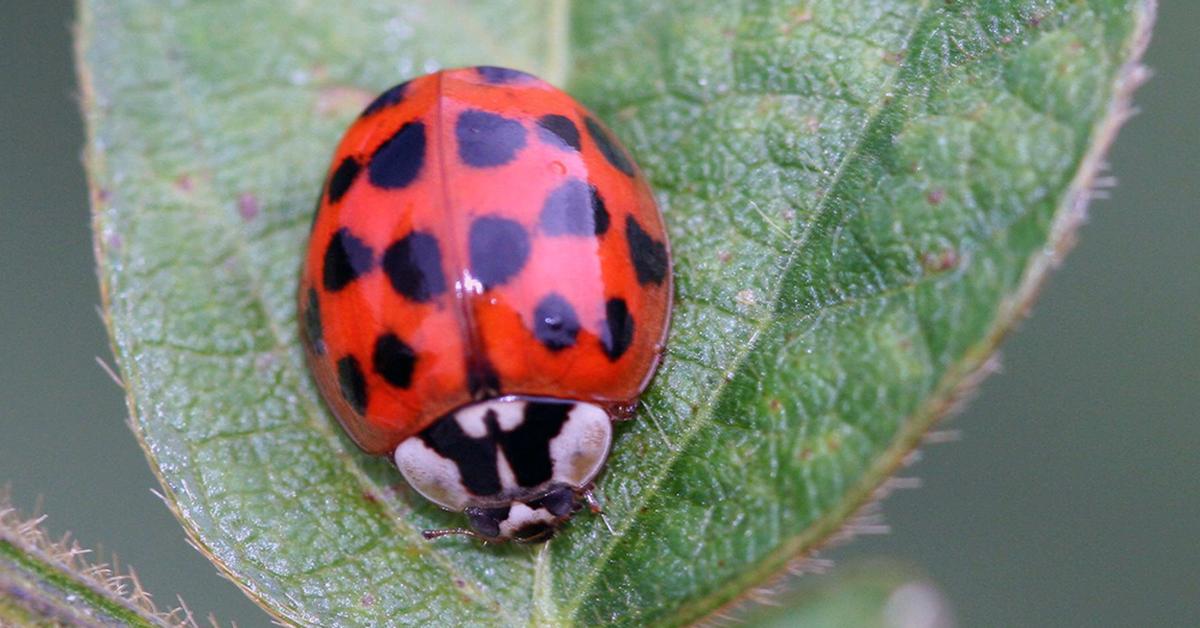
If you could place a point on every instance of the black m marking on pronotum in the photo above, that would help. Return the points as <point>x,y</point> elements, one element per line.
<point>526,447</point>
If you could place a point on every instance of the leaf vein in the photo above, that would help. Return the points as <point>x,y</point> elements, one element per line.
<point>705,413</point>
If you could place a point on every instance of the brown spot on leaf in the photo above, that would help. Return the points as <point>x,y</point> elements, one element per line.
<point>248,206</point>
<point>935,196</point>
<point>340,99</point>
<point>264,362</point>
<point>940,261</point>
<point>796,17</point>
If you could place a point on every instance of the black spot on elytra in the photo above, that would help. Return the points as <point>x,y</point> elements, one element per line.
<point>599,211</point>
<point>649,255</point>
<point>608,146</point>
<point>617,333</point>
<point>413,265</point>
<point>394,360</point>
<point>313,332</point>
<point>555,323</point>
<point>574,208</point>
<point>393,96</point>
<point>493,74</point>
<point>341,179</point>
<point>397,162</point>
<point>558,131</point>
<point>352,383</point>
<point>346,258</point>
<point>486,139</point>
<point>498,249</point>
<point>474,457</point>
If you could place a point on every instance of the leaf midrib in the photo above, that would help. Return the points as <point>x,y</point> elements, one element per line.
<point>704,414</point>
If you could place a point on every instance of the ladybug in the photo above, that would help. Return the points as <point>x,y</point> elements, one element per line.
<point>487,288</point>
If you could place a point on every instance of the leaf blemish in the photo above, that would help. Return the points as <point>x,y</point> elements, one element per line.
<point>339,99</point>
<point>248,206</point>
<point>942,261</point>
<point>265,362</point>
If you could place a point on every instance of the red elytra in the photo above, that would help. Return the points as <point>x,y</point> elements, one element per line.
<point>481,235</point>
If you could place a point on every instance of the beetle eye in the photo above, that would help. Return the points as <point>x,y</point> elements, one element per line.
<point>486,521</point>
<point>559,502</point>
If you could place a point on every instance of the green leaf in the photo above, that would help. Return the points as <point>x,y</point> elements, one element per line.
<point>862,197</point>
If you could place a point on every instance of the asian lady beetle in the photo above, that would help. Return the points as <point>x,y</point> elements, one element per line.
<point>487,287</point>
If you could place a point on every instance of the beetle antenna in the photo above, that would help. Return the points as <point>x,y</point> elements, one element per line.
<point>593,504</point>
<point>437,534</point>
<point>607,524</point>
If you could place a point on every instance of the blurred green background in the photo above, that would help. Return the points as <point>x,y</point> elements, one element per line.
<point>1072,498</point>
